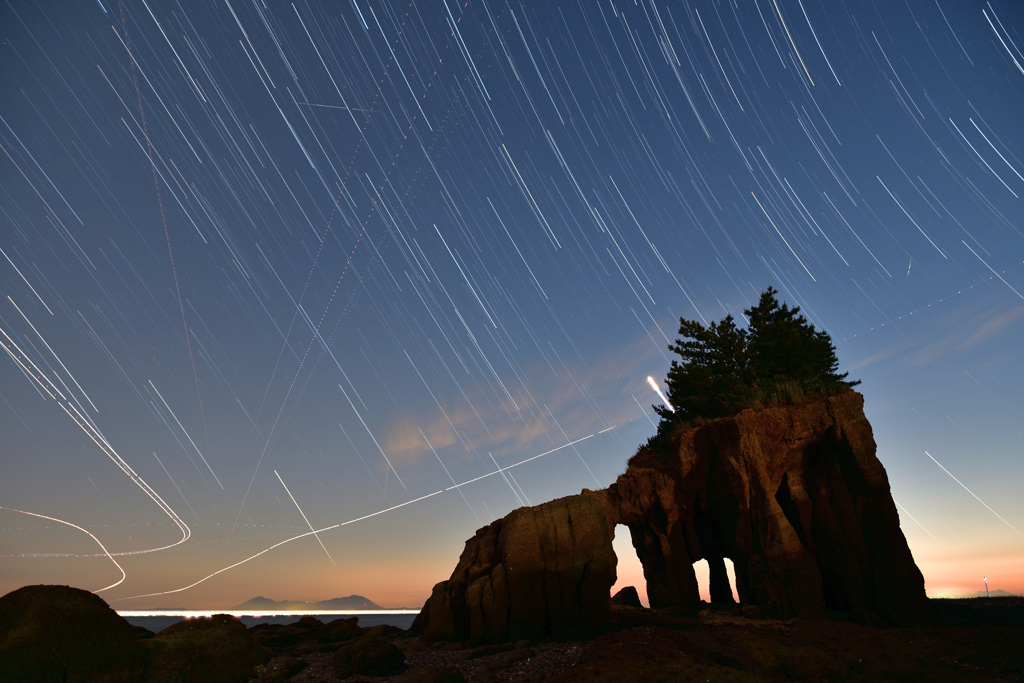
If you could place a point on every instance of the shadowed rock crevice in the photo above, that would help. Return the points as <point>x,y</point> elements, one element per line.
<point>793,495</point>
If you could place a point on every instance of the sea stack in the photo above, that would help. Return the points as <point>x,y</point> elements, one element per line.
<point>794,495</point>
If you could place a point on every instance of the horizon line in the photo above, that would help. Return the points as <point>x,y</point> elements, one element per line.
<point>194,613</point>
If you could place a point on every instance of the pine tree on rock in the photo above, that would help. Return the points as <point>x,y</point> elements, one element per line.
<point>722,369</point>
<point>710,380</point>
<point>786,350</point>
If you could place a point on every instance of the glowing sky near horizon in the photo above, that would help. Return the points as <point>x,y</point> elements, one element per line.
<point>351,266</point>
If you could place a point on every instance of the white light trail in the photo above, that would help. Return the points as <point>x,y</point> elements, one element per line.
<point>304,518</point>
<point>919,523</point>
<point>450,477</point>
<point>314,532</point>
<point>278,545</point>
<point>521,462</point>
<point>907,214</point>
<point>993,270</point>
<point>187,435</point>
<point>26,282</point>
<point>1008,51</point>
<point>361,421</point>
<point>85,531</point>
<point>973,494</point>
<point>92,431</point>
<point>506,478</point>
<point>38,334</point>
<point>657,390</point>
<point>232,566</point>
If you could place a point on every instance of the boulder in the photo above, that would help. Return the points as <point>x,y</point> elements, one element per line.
<point>59,633</point>
<point>793,495</point>
<point>344,628</point>
<point>541,571</point>
<point>369,657</point>
<point>307,634</point>
<point>627,597</point>
<point>215,649</point>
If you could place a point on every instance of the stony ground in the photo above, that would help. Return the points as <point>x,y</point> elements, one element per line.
<point>969,640</point>
<point>518,662</point>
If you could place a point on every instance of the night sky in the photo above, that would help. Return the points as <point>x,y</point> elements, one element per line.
<point>270,267</point>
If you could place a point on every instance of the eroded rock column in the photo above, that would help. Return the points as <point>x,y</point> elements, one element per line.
<point>541,571</point>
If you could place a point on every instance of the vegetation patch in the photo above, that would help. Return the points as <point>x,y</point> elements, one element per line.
<point>778,359</point>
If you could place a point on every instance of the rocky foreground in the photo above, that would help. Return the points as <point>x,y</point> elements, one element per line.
<point>966,640</point>
<point>56,633</point>
<point>794,495</point>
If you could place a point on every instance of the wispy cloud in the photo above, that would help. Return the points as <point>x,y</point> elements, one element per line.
<point>572,399</point>
<point>965,334</point>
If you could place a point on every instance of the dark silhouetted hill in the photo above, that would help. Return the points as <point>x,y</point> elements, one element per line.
<point>352,602</point>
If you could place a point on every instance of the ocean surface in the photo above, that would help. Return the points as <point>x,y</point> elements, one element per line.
<point>157,620</point>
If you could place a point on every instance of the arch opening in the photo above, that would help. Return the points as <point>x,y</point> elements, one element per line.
<point>702,570</point>
<point>628,571</point>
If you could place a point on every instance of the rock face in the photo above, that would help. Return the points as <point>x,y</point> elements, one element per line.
<point>57,633</point>
<point>627,597</point>
<point>211,649</point>
<point>793,495</point>
<point>540,571</point>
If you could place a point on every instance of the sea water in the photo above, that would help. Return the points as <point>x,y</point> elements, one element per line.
<point>158,620</point>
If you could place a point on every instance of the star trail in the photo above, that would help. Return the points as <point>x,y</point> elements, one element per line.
<point>422,261</point>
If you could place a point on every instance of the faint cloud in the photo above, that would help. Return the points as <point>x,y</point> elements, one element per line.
<point>877,357</point>
<point>405,441</point>
<point>567,398</point>
<point>992,327</point>
<point>966,334</point>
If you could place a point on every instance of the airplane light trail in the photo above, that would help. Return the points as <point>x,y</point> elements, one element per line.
<point>106,554</point>
<point>316,532</point>
<point>919,524</point>
<point>92,431</point>
<point>304,518</point>
<point>162,399</point>
<point>974,494</point>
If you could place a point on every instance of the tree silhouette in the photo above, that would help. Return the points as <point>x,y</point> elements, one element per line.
<point>784,348</point>
<point>722,369</point>
<point>712,378</point>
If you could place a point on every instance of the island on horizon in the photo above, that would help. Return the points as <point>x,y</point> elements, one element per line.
<point>262,604</point>
<point>351,602</point>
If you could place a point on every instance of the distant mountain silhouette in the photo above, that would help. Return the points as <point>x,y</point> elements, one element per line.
<point>352,602</point>
<point>994,594</point>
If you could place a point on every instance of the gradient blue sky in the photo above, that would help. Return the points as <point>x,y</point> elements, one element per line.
<point>273,265</point>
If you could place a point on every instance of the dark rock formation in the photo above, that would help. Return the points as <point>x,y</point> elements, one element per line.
<point>307,633</point>
<point>540,571</point>
<point>369,658</point>
<point>215,649</point>
<point>793,495</point>
<point>627,597</point>
<point>57,633</point>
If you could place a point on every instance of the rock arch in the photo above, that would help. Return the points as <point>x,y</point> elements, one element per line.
<point>794,495</point>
